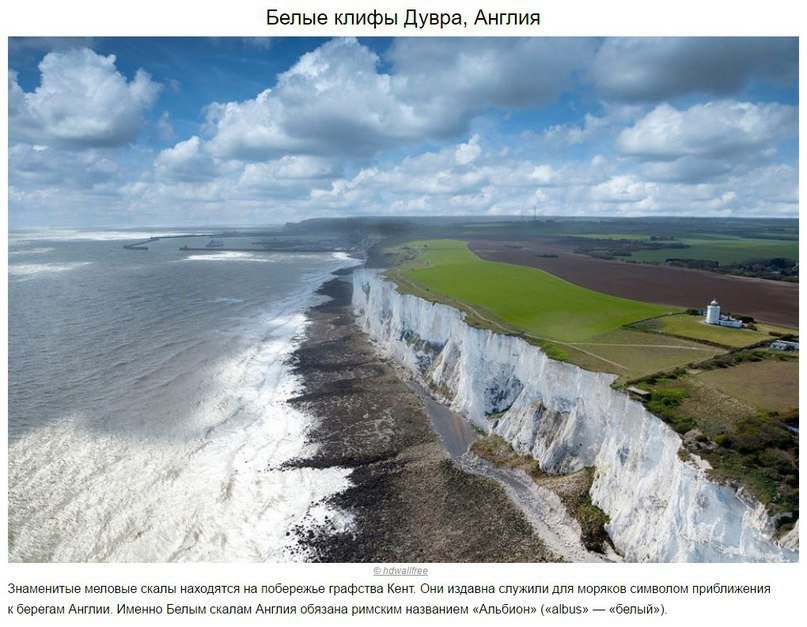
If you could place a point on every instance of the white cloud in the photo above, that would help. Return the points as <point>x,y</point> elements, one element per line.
<point>41,166</point>
<point>187,161</point>
<point>290,176</point>
<point>468,152</point>
<point>163,128</point>
<point>724,128</point>
<point>572,134</point>
<point>82,101</point>
<point>432,128</point>
<point>437,182</point>
<point>331,102</point>
<point>455,78</point>
<point>624,188</point>
<point>335,102</point>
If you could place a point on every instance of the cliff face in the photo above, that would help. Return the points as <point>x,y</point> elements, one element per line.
<point>661,508</point>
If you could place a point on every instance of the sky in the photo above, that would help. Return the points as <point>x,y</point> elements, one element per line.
<point>252,131</point>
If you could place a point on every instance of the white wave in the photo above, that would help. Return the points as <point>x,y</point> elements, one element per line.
<point>232,256</point>
<point>230,301</point>
<point>28,270</point>
<point>28,251</point>
<point>269,257</point>
<point>215,490</point>
<point>76,495</point>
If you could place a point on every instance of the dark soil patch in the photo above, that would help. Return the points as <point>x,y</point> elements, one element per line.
<point>776,302</point>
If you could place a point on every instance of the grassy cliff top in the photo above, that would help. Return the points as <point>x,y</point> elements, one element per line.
<point>526,299</point>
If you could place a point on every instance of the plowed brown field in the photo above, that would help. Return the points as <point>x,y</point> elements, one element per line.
<point>775,302</point>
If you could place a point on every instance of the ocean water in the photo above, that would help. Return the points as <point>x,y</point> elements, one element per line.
<point>147,402</point>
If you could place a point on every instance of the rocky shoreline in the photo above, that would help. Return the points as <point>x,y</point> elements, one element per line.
<point>409,501</point>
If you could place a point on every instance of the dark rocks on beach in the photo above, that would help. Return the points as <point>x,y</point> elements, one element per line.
<point>409,502</point>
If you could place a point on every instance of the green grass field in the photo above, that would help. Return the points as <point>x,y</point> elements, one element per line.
<point>724,250</point>
<point>526,298</point>
<point>695,328</point>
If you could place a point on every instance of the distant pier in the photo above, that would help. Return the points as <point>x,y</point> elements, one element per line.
<point>296,245</point>
<point>141,245</point>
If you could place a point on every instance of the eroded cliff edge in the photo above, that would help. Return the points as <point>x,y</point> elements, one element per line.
<point>661,508</point>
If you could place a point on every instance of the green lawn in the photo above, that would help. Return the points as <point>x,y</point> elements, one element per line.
<point>633,354</point>
<point>694,327</point>
<point>526,298</point>
<point>723,250</point>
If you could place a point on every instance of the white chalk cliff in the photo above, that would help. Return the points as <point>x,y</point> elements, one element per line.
<point>662,509</point>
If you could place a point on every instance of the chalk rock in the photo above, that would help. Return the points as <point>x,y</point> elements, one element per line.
<point>661,508</point>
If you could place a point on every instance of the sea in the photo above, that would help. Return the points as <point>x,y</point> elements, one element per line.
<point>148,401</point>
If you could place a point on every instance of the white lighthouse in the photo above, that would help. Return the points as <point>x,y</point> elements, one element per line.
<point>713,313</point>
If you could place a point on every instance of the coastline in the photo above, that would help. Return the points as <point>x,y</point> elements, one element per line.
<point>408,500</point>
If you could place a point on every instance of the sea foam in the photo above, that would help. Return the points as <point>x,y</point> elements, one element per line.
<point>216,488</point>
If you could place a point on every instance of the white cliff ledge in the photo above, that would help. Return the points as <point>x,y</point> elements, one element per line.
<point>662,509</point>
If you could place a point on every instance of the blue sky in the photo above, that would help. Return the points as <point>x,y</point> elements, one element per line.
<point>191,131</point>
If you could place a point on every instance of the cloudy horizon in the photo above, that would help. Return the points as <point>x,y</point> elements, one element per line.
<point>187,131</point>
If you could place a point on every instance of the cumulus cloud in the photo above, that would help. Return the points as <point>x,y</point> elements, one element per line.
<point>331,102</point>
<point>656,68</point>
<point>42,166</point>
<point>454,79</point>
<point>468,152</point>
<point>289,176</point>
<point>716,129</point>
<point>187,161</point>
<point>438,182</point>
<point>430,127</point>
<point>622,188</point>
<point>573,134</point>
<point>336,101</point>
<point>163,128</point>
<point>82,101</point>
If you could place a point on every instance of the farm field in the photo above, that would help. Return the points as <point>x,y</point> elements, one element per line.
<point>530,300</point>
<point>573,324</point>
<point>765,385</point>
<point>722,250</point>
<point>722,230</point>
<point>695,328</point>
<point>632,354</point>
<point>772,301</point>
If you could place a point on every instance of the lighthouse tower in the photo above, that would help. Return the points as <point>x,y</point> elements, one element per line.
<point>713,313</point>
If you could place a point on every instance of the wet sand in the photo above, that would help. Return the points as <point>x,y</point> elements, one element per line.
<point>409,501</point>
